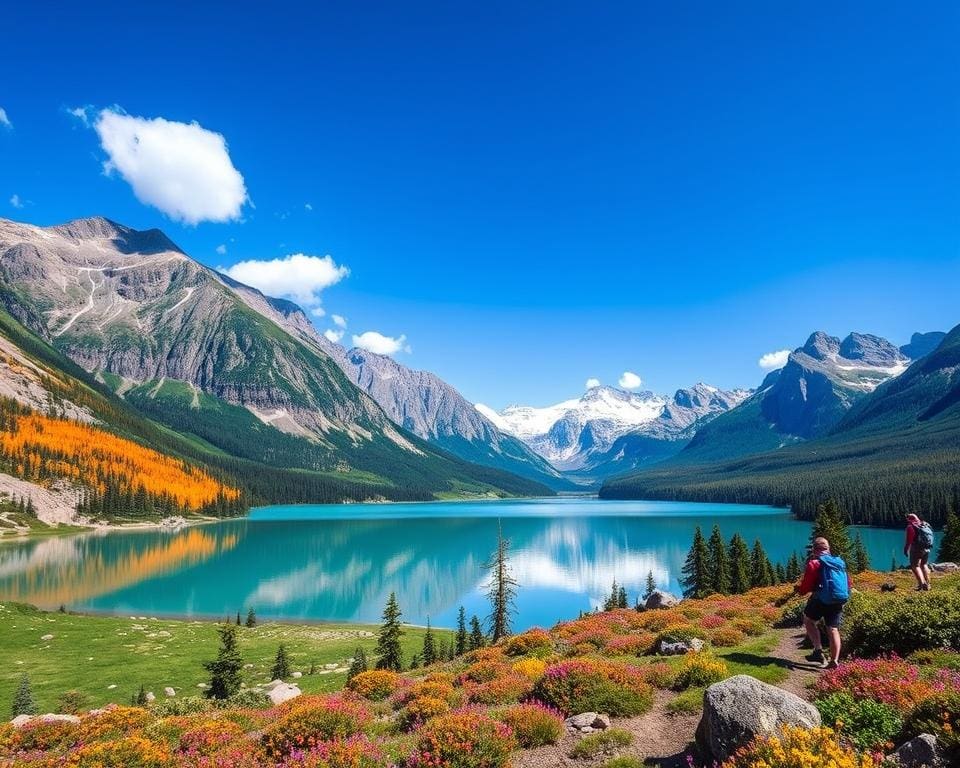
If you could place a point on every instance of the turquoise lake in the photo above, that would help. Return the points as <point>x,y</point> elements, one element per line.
<point>340,562</point>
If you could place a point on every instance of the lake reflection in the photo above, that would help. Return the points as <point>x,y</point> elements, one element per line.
<point>340,563</point>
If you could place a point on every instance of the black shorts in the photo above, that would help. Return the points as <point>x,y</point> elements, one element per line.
<point>830,613</point>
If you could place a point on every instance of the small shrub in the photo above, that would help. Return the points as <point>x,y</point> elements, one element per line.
<point>72,703</point>
<point>533,642</point>
<point>713,621</point>
<point>580,685</point>
<point>698,670</point>
<point>680,634</point>
<point>248,698</point>
<point>464,739</point>
<point>866,723</point>
<point>188,705</point>
<point>800,748</point>
<point>209,737</point>
<point>375,684</point>
<point>751,627</point>
<point>889,680</point>
<point>421,709</point>
<point>530,668</point>
<point>311,720</point>
<point>939,715</point>
<point>940,658</point>
<point>904,624</point>
<point>791,615</point>
<point>624,761</point>
<point>660,675</point>
<point>727,637</point>
<point>601,743</point>
<point>500,690</point>
<point>630,645</point>
<point>533,725</point>
<point>39,736</point>
<point>113,723</point>
<point>123,753</point>
<point>354,752</point>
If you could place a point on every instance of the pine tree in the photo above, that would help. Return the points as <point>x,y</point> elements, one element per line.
<point>696,575</point>
<point>651,586</point>
<point>860,559</point>
<point>140,699</point>
<point>251,618</point>
<point>611,602</point>
<point>949,551</point>
<point>461,644</point>
<point>781,573</point>
<point>503,589</point>
<point>389,651</point>
<point>761,571</point>
<point>225,670</point>
<point>794,571</point>
<point>739,565</point>
<point>415,661</point>
<point>358,665</point>
<point>238,618</point>
<point>831,524</point>
<point>477,638</point>
<point>429,653</point>
<point>281,664</point>
<point>622,597</point>
<point>23,701</point>
<point>718,563</point>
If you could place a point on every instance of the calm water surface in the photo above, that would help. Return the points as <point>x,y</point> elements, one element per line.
<point>340,562</point>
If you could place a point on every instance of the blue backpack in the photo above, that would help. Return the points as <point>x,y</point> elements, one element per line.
<point>834,584</point>
<point>923,536</point>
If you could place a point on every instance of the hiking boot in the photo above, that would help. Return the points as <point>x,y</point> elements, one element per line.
<point>831,665</point>
<point>816,657</point>
<point>927,587</point>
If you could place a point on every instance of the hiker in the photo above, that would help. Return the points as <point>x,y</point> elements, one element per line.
<point>917,547</point>
<point>827,582</point>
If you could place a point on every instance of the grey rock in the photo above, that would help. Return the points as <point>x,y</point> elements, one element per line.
<point>283,692</point>
<point>945,567</point>
<point>693,645</point>
<point>920,752</point>
<point>21,720</point>
<point>583,720</point>
<point>601,722</point>
<point>297,674</point>
<point>741,707</point>
<point>169,692</point>
<point>660,599</point>
<point>46,637</point>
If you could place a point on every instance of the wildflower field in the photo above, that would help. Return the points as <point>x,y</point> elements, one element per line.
<point>481,709</point>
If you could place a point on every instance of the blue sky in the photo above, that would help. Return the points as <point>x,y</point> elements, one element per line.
<point>531,194</point>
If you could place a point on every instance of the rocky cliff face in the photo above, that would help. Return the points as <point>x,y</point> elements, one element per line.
<point>132,304</point>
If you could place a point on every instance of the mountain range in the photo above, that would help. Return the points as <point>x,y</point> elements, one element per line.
<point>122,330</point>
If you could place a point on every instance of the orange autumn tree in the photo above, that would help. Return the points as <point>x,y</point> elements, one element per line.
<point>121,477</point>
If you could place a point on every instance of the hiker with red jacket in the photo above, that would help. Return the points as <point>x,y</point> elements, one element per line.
<point>827,582</point>
<point>919,542</point>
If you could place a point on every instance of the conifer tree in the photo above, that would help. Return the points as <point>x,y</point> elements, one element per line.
<point>503,589</point>
<point>718,563</point>
<point>949,551</point>
<point>238,618</point>
<point>415,661</point>
<point>860,559</point>
<point>477,638</point>
<point>23,701</point>
<point>251,618</point>
<point>761,572</point>
<point>622,597</point>
<point>140,699</point>
<point>389,651</point>
<point>781,573</point>
<point>281,664</point>
<point>461,642</point>
<point>611,602</point>
<point>831,524</point>
<point>651,586</point>
<point>429,652</point>
<point>794,570</point>
<point>225,670</point>
<point>358,665</point>
<point>696,575</point>
<point>739,565</point>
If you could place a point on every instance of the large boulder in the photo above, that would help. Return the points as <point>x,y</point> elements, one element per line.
<point>283,692</point>
<point>660,599</point>
<point>945,567</point>
<point>919,752</point>
<point>741,707</point>
<point>21,720</point>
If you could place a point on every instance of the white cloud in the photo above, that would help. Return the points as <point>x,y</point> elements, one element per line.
<point>630,380</point>
<point>221,249</point>
<point>773,360</point>
<point>15,201</point>
<point>333,335</point>
<point>372,341</point>
<point>591,383</point>
<point>298,276</point>
<point>4,120</point>
<point>181,168</point>
<point>308,206</point>
<point>81,114</point>
<point>318,312</point>
<point>339,320</point>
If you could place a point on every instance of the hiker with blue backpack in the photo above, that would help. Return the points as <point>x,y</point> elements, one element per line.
<point>917,547</point>
<point>827,582</point>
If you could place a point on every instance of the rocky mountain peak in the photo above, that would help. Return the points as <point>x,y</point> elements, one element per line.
<point>125,239</point>
<point>821,346</point>
<point>870,349</point>
<point>922,344</point>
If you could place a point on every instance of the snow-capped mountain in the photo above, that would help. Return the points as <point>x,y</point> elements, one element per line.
<point>580,435</point>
